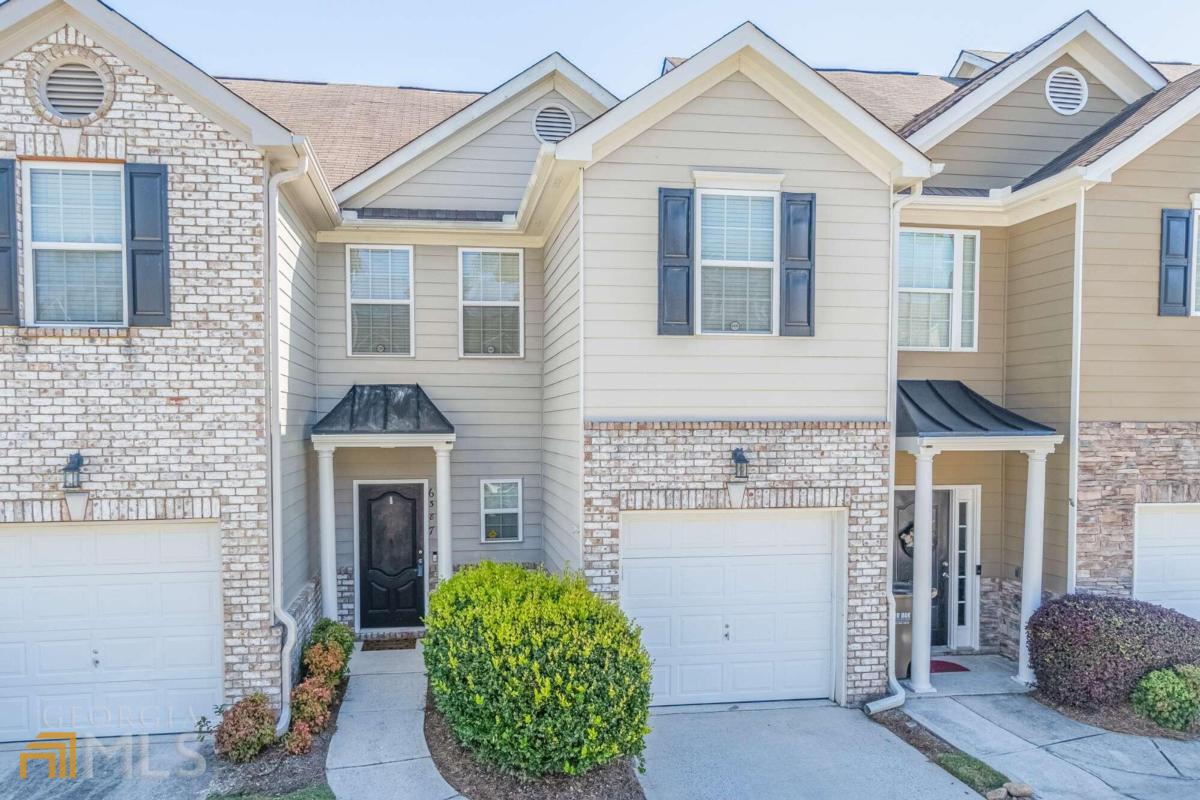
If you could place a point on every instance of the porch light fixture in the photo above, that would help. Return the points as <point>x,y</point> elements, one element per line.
<point>73,491</point>
<point>741,473</point>
<point>73,472</point>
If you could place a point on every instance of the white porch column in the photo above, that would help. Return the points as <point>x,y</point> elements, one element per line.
<point>328,532</point>
<point>444,529</point>
<point>922,589</point>
<point>1031,561</point>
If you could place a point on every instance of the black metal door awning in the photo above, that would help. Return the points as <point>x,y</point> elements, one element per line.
<point>950,409</point>
<point>391,408</point>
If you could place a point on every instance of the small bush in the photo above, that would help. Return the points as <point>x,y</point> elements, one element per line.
<point>1090,651</point>
<point>1165,697</point>
<point>324,662</point>
<point>310,704</point>
<point>327,631</point>
<point>299,739</point>
<point>1191,674</point>
<point>534,673</point>
<point>246,728</point>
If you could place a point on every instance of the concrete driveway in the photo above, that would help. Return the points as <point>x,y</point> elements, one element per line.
<point>128,768</point>
<point>1061,758</point>
<point>785,751</point>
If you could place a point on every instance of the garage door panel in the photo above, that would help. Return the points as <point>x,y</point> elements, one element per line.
<point>687,534</point>
<point>1167,557</point>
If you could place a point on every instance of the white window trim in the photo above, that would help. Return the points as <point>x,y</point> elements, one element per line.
<point>520,511</point>
<point>28,245</point>
<point>519,303</point>
<point>701,264</point>
<point>411,302</point>
<point>955,291</point>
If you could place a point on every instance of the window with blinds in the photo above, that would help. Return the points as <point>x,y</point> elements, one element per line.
<point>500,511</point>
<point>380,283</point>
<point>492,303</point>
<point>939,290</point>
<point>76,223</point>
<point>738,259</point>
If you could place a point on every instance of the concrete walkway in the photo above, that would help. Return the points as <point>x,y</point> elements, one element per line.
<point>378,751</point>
<point>785,751</point>
<point>1061,758</point>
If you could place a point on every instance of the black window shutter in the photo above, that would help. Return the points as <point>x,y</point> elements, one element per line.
<point>1175,266</point>
<point>796,264</point>
<point>675,259</point>
<point>9,312</point>
<point>148,258</point>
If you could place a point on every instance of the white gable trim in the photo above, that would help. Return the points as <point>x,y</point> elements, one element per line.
<point>23,22</point>
<point>1088,41</point>
<point>749,50</point>
<point>552,72</point>
<point>1161,127</point>
<point>972,59</point>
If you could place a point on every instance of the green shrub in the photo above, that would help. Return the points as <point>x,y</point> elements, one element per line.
<point>246,729</point>
<point>1191,674</point>
<point>327,631</point>
<point>324,662</point>
<point>1166,697</point>
<point>534,673</point>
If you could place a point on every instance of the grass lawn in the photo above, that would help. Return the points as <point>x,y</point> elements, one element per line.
<point>318,792</point>
<point>971,771</point>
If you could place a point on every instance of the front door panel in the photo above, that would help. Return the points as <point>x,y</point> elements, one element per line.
<point>902,566</point>
<point>390,555</point>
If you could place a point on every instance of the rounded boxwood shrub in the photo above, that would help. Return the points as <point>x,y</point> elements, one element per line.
<point>1166,697</point>
<point>535,674</point>
<point>1090,651</point>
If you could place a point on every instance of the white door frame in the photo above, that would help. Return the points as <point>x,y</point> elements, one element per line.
<point>972,495</point>
<point>424,483</point>
<point>840,566</point>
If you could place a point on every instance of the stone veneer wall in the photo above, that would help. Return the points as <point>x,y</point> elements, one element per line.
<point>1000,616</point>
<point>171,421</point>
<point>633,466</point>
<point>1121,464</point>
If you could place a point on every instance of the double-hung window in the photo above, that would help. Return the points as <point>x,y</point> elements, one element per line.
<point>379,284</point>
<point>939,289</point>
<point>75,244</point>
<point>491,303</point>
<point>738,262</point>
<point>500,510</point>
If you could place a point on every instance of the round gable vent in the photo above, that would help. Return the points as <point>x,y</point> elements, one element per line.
<point>1066,91</point>
<point>73,91</point>
<point>553,124</point>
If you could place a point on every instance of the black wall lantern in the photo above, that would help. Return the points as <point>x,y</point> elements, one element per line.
<point>73,472</point>
<point>741,465</point>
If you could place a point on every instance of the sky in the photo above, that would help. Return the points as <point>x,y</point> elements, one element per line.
<point>472,45</point>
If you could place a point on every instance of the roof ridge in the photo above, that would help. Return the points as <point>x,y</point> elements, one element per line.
<point>300,82</point>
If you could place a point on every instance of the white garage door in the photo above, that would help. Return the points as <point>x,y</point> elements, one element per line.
<point>1166,566</point>
<point>734,606</point>
<point>108,629</point>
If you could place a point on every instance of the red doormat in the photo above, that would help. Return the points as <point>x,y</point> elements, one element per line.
<point>404,643</point>
<point>936,666</point>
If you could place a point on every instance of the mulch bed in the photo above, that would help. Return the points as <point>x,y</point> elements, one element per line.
<point>615,781</point>
<point>398,643</point>
<point>274,772</point>
<point>1119,719</point>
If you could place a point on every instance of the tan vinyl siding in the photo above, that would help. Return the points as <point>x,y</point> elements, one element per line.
<point>633,373</point>
<point>1038,375</point>
<point>489,173</point>
<point>1019,133</point>
<point>561,422</point>
<point>495,404</point>
<point>1136,365</point>
<point>982,370</point>
<point>297,276</point>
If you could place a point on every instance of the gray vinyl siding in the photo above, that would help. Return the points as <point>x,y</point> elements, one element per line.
<point>297,276</point>
<point>489,173</point>
<point>561,421</point>
<point>494,404</point>
<point>633,373</point>
<point>1038,375</point>
<point>1019,133</point>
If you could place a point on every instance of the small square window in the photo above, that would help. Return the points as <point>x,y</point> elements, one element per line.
<point>500,511</point>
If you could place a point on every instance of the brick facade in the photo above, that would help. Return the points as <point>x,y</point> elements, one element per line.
<point>1121,464</point>
<point>630,466</point>
<point>306,610</point>
<point>171,421</point>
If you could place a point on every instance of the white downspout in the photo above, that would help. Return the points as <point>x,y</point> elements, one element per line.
<point>897,696</point>
<point>1076,366</point>
<point>270,319</point>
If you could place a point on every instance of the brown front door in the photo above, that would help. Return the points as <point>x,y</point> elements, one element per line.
<point>391,555</point>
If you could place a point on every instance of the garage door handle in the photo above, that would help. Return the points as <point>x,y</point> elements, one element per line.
<point>727,631</point>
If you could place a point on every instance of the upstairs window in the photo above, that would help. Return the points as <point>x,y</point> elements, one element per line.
<point>500,511</point>
<point>491,310</point>
<point>738,260</point>
<point>380,299</point>
<point>75,243</point>
<point>939,289</point>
